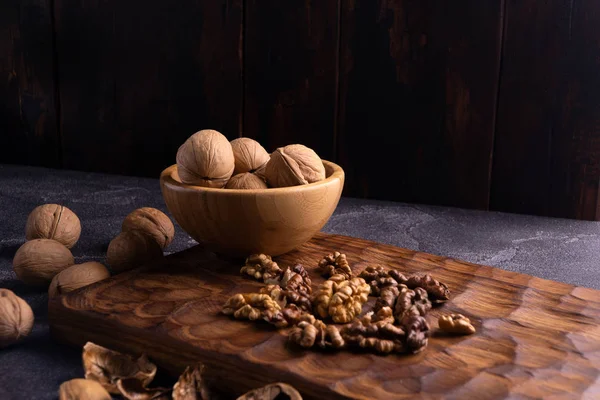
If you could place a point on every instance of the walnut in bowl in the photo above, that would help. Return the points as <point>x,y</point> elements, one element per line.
<point>246,221</point>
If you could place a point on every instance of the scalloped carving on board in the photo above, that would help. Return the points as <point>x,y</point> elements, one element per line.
<point>535,338</point>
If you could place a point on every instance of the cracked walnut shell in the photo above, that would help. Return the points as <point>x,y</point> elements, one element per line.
<point>456,323</point>
<point>294,165</point>
<point>249,155</point>
<point>131,249</point>
<point>108,366</point>
<point>16,318</point>
<point>152,222</point>
<point>82,389</point>
<point>205,159</point>
<point>273,391</point>
<point>53,221</point>
<point>77,276</point>
<point>39,260</point>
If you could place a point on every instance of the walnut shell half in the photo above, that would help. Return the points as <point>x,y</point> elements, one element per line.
<point>271,392</point>
<point>53,221</point>
<point>294,165</point>
<point>77,276</point>
<point>205,159</point>
<point>152,221</point>
<point>246,180</point>
<point>82,389</point>
<point>16,318</point>
<point>39,260</point>
<point>249,155</point>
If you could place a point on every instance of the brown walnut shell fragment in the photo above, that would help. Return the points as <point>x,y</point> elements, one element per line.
<point>253,306</point>
<point>375,332</point>
<point>437,291</point>
<point>132,389</point>
<point>411,302</point>
<point>82,389</point>
<point>348,299</point>
<point>311,332</point>
<point>152,222</point>
<point>294,165</point>
<point>335,266</point>
<point>456,324</point>
<point>274,391</point>
<point>191,385</point>
<point>261,267</point>
<point>417,333</point>
<point>53,221</point>
<point>108,366</point>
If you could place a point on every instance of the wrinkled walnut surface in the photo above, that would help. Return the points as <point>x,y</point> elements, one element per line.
<point>38,261</point>
<point>77,276</point>
<point>53,221</point>
<point>261,267</point>
<point>153,222</point>
<point>456,324</point>
<point>294,165</point>
<point>335,266</point>
<point>16,318</point>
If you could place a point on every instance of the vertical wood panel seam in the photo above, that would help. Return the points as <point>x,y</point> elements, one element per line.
<point>242,122</point>
<point>503,27</point>
<point>336,107</point>
<point>56,83</point>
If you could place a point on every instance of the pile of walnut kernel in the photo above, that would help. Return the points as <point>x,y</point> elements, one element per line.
<point>208,159</point>
<point>330,317</point>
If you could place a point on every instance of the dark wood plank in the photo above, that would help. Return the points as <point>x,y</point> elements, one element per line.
<point>137,78</point>
<point>418,86</point>
<point>27,105</point>
<point>547,151</point>
<point>290,73</point>
<point>535,338</point>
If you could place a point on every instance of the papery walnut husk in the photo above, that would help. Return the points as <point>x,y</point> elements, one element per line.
<point>274,391</point>
<point>205,159</point>
<point>191,385</point>
<point>39,260</point>
<point>16,318</point>
<point>249,155</point>
<point>82,389</point>
<point>108,366</point>
<point>77,276</point>
<point>247,181</point>
<point>53,221</point>
<point>294,165</point>
<point>152,222</point>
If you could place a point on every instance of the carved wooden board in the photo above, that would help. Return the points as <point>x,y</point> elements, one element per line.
<point>535,338</point>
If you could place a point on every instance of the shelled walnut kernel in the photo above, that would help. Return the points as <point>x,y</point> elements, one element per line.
<point>456,323</point>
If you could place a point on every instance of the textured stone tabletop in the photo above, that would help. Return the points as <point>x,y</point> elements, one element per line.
<point>563,250</point>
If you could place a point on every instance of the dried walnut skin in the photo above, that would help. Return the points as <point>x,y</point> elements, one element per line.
<point>205,159</point>
<point>39,260</point>
<point>53,221</point>
<point>16,318</point>
<point>153,222</point>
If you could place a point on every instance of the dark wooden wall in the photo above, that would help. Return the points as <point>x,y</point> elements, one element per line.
<point>481,104</point>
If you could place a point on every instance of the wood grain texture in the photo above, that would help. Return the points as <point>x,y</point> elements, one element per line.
<point>27,106</point>
<point>290,73</point>
<point>535,338</point>
<point>547,151</point>
<point>246,221</point>
<point>137,78</point>
<point>418,84</point>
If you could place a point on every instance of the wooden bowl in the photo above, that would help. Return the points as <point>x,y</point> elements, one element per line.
<point>240,222</point>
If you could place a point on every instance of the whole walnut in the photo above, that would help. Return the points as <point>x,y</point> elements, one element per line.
<point>205,159</point>
<point>53,221</point>
<point>39,260</point>
<point>249,155</point>
<point>16,318</point>
<point>294,165</point>
<point>152,221</point>
<point>77,276</point>
<point>82,389</point>
<point>131,249</point>
<point>246,180</point>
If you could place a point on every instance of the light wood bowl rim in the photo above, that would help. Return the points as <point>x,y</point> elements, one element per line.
<point>166,177</point>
